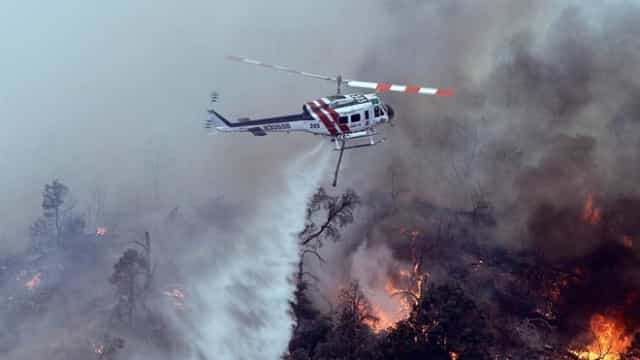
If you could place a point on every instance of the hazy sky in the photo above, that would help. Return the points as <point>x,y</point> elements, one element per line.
<point>97,93</point>
<point>91,92</point>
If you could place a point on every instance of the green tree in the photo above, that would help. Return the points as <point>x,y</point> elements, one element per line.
<point>53,198</point>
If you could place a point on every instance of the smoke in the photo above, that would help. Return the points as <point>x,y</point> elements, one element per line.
<point>110,99</point>
<point>543,119</point>
<point>544,107</point>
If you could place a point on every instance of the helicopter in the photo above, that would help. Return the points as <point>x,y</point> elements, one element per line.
<point>345,118</point>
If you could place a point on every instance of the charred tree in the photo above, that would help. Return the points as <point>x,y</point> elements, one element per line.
<point>337,211</point>
<point>131,276</point>
<point>445,322</point>
<point>311,326</point>
<point>351,336</point>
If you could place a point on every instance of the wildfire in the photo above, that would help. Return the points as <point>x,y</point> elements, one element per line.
<point>386,319</point>
<point>34,282</point>
<point>627,241</point>
<point>403,287</point>
<point>610,339</point>
<point>404,290</point>
<point>101,230</point>
<point>453,355</point>
<point>590,213</point>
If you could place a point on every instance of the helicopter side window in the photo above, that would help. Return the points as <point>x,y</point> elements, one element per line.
<point>376,111</point>
<point>355,117</point>
<point>344,119</point>
<point>366,114</point>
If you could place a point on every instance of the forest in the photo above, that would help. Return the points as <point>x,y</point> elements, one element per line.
<point>456,295</point>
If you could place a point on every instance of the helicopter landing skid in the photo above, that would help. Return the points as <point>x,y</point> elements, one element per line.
<point>341,146</point>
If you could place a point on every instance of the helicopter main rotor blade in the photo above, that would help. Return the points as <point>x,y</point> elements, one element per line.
<point>351,83</point>
<point>280,68</point>
<point>399,88</point>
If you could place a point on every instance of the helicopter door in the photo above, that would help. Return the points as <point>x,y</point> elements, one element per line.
<point>367,118</point>
<point>355,121</point>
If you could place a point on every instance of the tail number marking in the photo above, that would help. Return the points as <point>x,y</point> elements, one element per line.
<point>277,127</point>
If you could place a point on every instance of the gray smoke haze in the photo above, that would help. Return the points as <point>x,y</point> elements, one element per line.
<point>109,98</point>
<point>113,95</point>
<point>545,114</point>
<point>545,107</point>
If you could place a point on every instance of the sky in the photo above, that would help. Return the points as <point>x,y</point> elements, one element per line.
<point>110,98</point>
<point>96,94</point>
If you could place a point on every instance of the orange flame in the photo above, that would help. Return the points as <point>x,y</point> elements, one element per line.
<point>403,288</point>
<point>34,282</point>
<point>627,241</point>
<point>101,230</point>
<point>610,340</point>
<point>453,355</point>
<point>590,213</point>
<point>402,298</point>
<point>385,319</point>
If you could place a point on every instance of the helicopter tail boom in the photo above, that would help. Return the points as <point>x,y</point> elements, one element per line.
<point>217,121</point>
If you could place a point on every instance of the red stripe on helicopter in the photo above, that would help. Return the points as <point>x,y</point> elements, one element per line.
<point>444,92</point>
<point>383,87</point>
<point>412,89</point>
<point>334,115</point>
<point>321,115</point>
<point>324,108</point>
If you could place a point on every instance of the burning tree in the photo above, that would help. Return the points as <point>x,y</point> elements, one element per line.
<point>445,321</point>
<point>350,336</point>
<point>610,339</point>
<point>311,326</point>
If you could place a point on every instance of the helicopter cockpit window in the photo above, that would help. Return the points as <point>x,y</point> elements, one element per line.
<point>344,119</point>
<point>366,114</point>
<point>355,117</point>
<point>376,111</point>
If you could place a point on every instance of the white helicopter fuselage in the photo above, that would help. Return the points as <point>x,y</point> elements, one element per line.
<point>337,116</point>
<point>346,119</point>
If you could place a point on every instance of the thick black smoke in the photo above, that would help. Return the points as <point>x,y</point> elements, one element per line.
<point>545,117</point>
<point>545,111</point>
